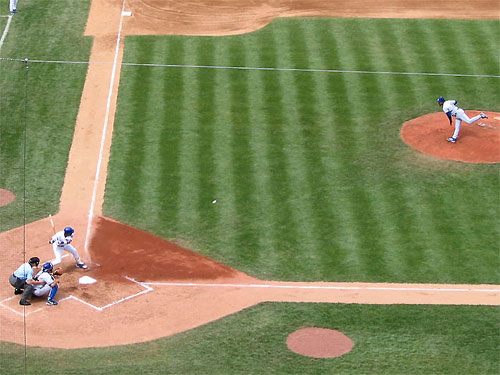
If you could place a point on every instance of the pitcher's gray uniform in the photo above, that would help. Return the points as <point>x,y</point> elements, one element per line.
<point>62,241</point>
<point>451,109</point>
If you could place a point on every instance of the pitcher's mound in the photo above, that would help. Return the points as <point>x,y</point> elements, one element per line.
<point>319,342</point>
<point>477,143</point>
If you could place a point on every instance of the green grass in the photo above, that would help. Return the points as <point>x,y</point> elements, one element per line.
<point>393,339</point>
<point>311,177</point>
<point>38,106</point>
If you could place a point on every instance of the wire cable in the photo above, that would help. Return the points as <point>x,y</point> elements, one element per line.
<point>24,199</point>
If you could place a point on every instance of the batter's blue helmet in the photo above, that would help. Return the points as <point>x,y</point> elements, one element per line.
<point>47,266</point>
<point>68,231</point>
<point>440,99</point>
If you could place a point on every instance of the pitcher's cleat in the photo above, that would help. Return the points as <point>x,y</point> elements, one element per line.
<point>483,115</point>
<point>451,139</point>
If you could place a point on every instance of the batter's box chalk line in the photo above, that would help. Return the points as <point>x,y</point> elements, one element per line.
<point>147,289</point>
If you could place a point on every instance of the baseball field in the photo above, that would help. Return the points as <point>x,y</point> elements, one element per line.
<point>277,153</point>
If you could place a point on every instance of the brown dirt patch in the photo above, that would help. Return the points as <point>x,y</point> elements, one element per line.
<point>123,250</point>
<point>6,197</point>
<point>227,17</point>
<point>319,342</point>
<point>477,143</point>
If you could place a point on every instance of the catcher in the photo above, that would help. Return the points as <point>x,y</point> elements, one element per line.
<point>50,285</point>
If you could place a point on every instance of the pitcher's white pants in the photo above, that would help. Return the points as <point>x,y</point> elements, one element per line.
<point>461,116</point>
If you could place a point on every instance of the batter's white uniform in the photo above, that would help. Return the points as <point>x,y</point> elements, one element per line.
<point>43,290</point>
<point>451,109</point>
<point>13,6</point>
<point>60,243</point>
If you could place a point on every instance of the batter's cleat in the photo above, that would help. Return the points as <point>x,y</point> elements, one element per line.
<point>24,303</point>
<point>483,115</point>
<point>51,302</point>
<point>18,291</point>
<point>82,265</point>
<point>451,139</point>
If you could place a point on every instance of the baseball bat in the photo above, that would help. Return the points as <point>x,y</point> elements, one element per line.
<point>52,223</point>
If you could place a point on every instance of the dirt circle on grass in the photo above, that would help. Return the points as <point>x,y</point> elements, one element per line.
<point>319,342</point>
<point>477,143</point>
<point>6,197</point>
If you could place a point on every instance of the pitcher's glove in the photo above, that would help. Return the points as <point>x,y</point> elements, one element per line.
<point>58,271</point>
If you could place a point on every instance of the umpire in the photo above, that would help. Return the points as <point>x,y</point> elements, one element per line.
<point>22,280</point>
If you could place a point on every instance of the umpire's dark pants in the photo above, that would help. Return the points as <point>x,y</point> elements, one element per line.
<point>21,284</point>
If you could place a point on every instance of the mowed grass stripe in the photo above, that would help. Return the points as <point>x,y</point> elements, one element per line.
<point>188,214</point>
<point>359,90</point>
<point>243,172</point>
<point>346,238</point>
<point>310,116</point>
<point>330,197</point>
<point>225,236</point>
<point>168,144</point>
<point>487,50</point>
<point>262,177</point>
<point>134,161</point>
<point>388,242</point>
<point>295,146</point>
<point>283,225</point>
<point>203,149</point>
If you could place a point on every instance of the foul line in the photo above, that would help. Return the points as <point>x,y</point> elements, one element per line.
<point>5,31</point>
<point>105,127</point>
<point>325,287</point>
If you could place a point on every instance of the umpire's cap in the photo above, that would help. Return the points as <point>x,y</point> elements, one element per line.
<point>34,261</point>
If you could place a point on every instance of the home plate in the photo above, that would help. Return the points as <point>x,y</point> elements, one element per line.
<point>86,280</point>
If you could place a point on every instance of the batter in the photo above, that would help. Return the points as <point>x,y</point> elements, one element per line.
<point>62,241</point>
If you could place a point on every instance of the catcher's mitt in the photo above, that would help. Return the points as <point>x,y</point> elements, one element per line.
<point>58,271</point>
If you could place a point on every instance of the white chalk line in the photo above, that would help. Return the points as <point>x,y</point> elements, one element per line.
<point>104,130</point>
<point>187,66</point>
<point>147,289</point>
<point>319,287</point>
<point>5,31</point>
<point>24,313</point>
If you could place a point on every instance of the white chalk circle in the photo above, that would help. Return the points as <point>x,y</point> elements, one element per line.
<point>86,280</point>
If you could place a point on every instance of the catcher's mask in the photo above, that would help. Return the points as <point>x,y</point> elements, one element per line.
<point>47,266</point>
